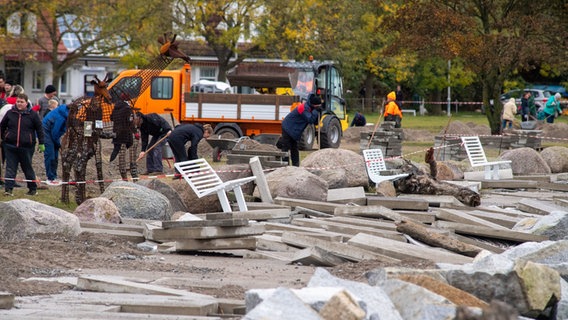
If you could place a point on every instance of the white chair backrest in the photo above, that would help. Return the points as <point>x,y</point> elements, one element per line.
<point>474,150</point>
<point>374,162</point>
<point>199,175</point>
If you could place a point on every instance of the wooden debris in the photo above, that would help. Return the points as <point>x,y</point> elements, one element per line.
<point>479,231</point>
<point>398,203</point>
<point>462,217</point>
<point>354,195</point>
<point>317,256</point>
<point>538,207</point>
<point>216,244</point>
<point>6,300</point>
<point>313,205</point>
<point>421,233</point>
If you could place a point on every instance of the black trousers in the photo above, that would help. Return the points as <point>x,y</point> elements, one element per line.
<point>288,143</point>
<point>18,156</point>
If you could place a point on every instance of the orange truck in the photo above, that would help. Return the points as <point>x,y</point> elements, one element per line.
<point>253,115</point>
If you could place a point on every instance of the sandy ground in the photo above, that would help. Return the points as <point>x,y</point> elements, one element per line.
<point>220,275</point>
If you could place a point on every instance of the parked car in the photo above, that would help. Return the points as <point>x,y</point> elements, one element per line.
<point>208,86</point>
<point>540,96</point>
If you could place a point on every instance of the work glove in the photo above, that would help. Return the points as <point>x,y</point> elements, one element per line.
<point>41,148</point>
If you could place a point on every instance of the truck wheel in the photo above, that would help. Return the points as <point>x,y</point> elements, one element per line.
<point>331,134</point>
<point>227,133</point>
<point>308,136</point>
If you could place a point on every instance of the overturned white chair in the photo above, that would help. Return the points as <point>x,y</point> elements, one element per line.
<point>477,157</point>
<point>375,163</point>
<point>204,181</point>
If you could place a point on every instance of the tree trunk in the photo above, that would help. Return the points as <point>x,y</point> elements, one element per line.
<point>421,233</point>
<point>419,182</point>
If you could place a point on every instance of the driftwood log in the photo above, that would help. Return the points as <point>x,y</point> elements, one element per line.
<point>421,233</point>
<point>419,182</point>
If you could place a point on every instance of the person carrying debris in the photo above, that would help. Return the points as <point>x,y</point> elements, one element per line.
<point>294,124</point>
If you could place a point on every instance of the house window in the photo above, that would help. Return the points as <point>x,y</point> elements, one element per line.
<point>63,83</point>
<point>206,73</point>
<point>162,88</point>
<point>19,23</point>
<point>38,80</point>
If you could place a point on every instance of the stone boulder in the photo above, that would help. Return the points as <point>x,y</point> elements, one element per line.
<point>193,203</point>
<point>164,187</point>
<point>338,167</point>
<point>353,134</point>
<point>528,286</point>
<point>236,171</point>
<point>526,161</point>
<point>555,130</point>
<point>22,218</point>
<point>553,225</point>
<point>448,170</point>
<point>136,201</point>
<point>297,183</point>
<point>557,158</point>
<point>98,210</point>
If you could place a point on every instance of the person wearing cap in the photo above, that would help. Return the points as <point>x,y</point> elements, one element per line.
<point>392,110</point>
<point>296,122</point>
<point>43,102</point>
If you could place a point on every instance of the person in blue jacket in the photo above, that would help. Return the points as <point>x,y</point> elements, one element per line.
<point>54,126</point>
<point>294,124</point>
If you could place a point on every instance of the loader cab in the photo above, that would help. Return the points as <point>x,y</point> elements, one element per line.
<point>325,80</point>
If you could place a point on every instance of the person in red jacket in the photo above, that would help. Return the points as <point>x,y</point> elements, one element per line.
<point>392,110</point>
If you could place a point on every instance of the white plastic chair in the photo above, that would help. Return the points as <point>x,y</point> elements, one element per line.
<point>375,163</point>
<point>477,157</point>
<point>204,181</point>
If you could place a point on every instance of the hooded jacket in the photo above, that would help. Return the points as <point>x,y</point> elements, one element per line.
<point>298,119</point>
<point>392,108</point>
<point>55,124</point>
<point>510,110</point>
<point>20,128</point>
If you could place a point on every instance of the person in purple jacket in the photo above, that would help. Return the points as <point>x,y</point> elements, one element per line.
<point>294,124</point>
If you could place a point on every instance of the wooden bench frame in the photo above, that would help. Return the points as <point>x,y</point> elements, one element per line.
<point>477,157</point>
<point>375,163</point>
<point>204,181</point>
<point>409,111</point>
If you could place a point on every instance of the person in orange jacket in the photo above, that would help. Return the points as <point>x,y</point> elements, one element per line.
<point>392,110</point>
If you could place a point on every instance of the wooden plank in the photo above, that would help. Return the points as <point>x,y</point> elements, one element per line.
<point>462,217</point>
<point>317,256</point>
<point>369,211</point>
<point>111,226</point>
<point>418,216</point>
<point>402,251</point>
<point>538,207</point>
<point>261,183</point>
<point>441,201</point>
<point>314,205</point>
<point>343,250</point>
<point>265,206</point>
<point>269,226</point>
<point>163,235</point>
<point>265,214</point>
<point>354,195</point>
<point>366,222</point>
<point>467,229</point>
<point>398,203</point>
<point>478,243</point>
<point>270,242</point>
<point>497,218</point>
<point>216,244</point>
<point>131,236</point>
<point>348,229</point>
<point>115,284</point>
<point>553,186</point>
<point>238,222</point>
<point>509,184</point>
